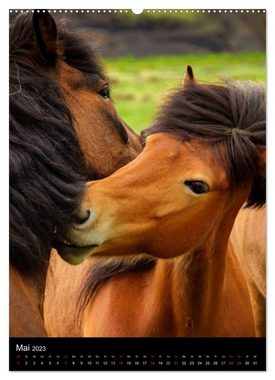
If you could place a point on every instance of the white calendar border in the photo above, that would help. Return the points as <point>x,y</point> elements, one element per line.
<point>142,4</point>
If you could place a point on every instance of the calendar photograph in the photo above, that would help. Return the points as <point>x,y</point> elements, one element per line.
<point>137,146</point>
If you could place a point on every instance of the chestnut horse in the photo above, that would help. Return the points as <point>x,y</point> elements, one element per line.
<point>64,130</point>
<point>178,200</point>
<point>249,240</point>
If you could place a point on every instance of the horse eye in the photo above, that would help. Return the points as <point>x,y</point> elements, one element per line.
<point>198,187</point>
<point>105,93</point>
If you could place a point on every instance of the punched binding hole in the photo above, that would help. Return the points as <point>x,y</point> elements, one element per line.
<point>137,11</point>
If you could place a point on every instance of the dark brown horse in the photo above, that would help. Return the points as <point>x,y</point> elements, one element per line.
<point>64,129</point>
<point>178,200</point>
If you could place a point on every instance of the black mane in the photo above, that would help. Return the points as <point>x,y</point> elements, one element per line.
<point>47,172</point>
<point>232,118</point>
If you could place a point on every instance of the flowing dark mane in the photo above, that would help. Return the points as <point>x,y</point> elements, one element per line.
<point>47,172</point>
<point>231,117</point>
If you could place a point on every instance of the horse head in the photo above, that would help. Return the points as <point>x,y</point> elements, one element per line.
<point>204,157</point>
<point>64,130</point>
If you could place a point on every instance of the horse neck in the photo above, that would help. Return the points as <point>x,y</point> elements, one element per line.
<point>36,285</point>
<point>199,277</point>
<point>26,302</point>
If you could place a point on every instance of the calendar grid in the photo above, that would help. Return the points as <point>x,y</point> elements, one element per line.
<point>145,354</point>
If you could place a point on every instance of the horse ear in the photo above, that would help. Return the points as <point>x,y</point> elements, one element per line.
<point>46,34</point>
<point>188,77</point>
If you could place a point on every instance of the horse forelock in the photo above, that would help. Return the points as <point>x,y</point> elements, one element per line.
<point>46,164</point>
<point>231,119</point>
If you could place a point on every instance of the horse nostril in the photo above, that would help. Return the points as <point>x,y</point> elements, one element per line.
<point>82,217</point>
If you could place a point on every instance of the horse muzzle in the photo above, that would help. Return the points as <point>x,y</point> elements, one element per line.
<point>74,252</point>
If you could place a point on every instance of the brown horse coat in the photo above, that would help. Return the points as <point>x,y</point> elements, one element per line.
<point>62,296</point>
<point>26,304</point>
<point>249,240</point>
<point>179,198</point>
<point>74,97</point>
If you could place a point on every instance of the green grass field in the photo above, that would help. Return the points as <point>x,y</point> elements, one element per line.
<point>140,85</point>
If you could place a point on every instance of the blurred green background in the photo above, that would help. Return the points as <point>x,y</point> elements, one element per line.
<point>146,55</point>
<point>139,86</point>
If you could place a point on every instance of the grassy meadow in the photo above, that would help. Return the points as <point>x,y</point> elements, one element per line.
<point>139,85</point>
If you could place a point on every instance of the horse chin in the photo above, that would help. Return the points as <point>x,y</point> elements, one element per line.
<point>75,255</point>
